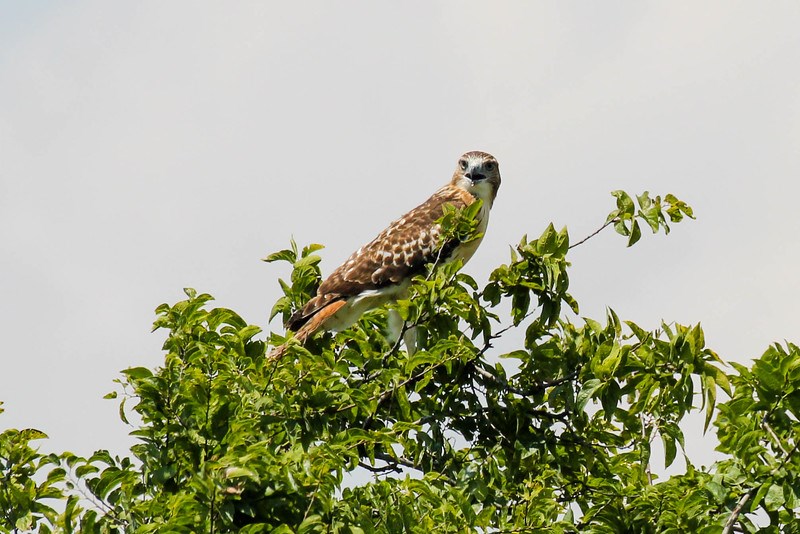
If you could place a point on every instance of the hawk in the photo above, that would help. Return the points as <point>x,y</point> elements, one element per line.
<point>381,270</point>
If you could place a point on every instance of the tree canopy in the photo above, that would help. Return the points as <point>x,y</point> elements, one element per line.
<point>352,434</point>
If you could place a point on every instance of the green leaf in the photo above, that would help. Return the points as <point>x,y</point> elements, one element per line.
<point>122,415</point>
<point>313,247</point>
<point>420,358</point>
<point>281,255</point>
<point>86,469</point>
<point>774,498</point>
<point>716,490</point>
<point>711,399</point>
<point>594,325</point>
<point>636,233</point>
<point>25,522</point>
<point>137,373</point>
<point>237,472</point>
<point>645,202</point>
<point>587,391</point>
<point>652,218</point>
<point>670,450</point>
<point>401,397</point>
<point>30,434</point>
<point>770,377</point>
<point>547,241</point>
<point>609,364</point>
<point>762,491</point>
<point>677,208</point>
<point>624,204</point>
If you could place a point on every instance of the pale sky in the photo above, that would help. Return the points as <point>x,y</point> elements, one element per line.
<point>150,146</point>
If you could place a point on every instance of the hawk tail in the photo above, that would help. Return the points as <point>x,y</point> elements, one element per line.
<point>314,323</point>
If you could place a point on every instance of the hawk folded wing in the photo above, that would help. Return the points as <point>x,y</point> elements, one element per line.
<point>401,251</point>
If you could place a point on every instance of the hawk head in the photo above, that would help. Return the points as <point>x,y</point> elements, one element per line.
<point>478,174</point>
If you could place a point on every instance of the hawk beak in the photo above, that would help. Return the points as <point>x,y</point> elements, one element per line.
<point>475,175</point>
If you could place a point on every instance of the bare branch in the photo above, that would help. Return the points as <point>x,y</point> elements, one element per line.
<point>728,528</point>
<point>380,470</point>
<point>399,460</point>
<point>526,392</point>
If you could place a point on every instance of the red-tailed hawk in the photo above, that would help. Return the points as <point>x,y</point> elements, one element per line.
<point>381,270</point>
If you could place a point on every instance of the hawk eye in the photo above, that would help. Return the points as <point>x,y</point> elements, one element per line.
<point>489,165</point>
<point>463,164</point>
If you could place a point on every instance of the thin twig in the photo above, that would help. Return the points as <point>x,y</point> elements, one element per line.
<point>774,437</point>
<point>647,422</point>
<point>311,502</point>
<point>588,237</point>
<point>99,503</point>
<point>406,327</point>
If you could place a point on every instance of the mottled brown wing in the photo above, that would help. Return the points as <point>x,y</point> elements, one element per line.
<point>400,251</point>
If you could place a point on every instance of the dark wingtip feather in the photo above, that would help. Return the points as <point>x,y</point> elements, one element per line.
<point>296,321</point>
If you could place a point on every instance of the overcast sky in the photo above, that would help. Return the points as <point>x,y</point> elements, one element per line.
<point>150,146</point>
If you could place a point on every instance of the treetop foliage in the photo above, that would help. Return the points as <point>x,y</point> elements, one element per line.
<point>352,434</point>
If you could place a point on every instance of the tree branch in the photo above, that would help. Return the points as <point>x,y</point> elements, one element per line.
<point>774,437</point>
<point>399,460</point>
<point>728,528</point>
